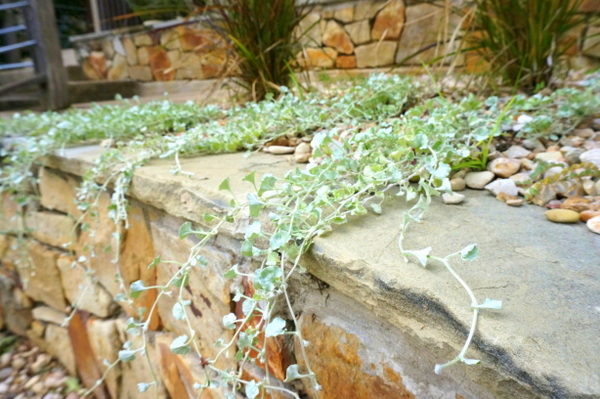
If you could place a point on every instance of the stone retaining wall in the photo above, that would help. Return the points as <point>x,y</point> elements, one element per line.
<point>347,35</point>
<point>375,327</point>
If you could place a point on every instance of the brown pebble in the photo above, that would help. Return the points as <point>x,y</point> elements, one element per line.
<point>587,215</point>
<point>577,204</point>
<point>562,216</point>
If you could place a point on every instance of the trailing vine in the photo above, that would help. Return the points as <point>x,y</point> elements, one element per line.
<point>382,133</point>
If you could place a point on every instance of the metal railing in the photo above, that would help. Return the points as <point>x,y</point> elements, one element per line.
<point>42,41</point>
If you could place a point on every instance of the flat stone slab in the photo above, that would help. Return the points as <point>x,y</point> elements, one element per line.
<point>547,336</point>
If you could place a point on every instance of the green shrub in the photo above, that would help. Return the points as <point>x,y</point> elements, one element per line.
<point>262,32</point>
<point>522,40</point>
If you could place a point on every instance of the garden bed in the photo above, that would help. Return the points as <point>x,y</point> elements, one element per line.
<point>229,236</point>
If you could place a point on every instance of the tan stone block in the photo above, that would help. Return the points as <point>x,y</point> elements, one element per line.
<point>108,49</point>
<point>389,21</point>
<point>189,67</point>
<point>16,306</point>
<point>214,64</point>
<point>138,370</point>
<point>142,39</point>
<point>98,245</point>
<point>137,252</point>
<point>130,50</point>
<point>94,66</point>
<point>312,58</point>
<point>81,290</point>
<point>345,61</point>
<point>375,54</point>
<point>52,228</point>
<point>344,14</point>
<point>309,30</point>
<point>87,369</point>
<point>170,39</point>
<point>59,346</point>
<point>336,37</point>
<point>48,315</point>
<point>105,344</point>
<point>140,73</point>
<point>160,65</point>
<point>181,372</point>
<point>423,24</point>
<point>119,69</point>
<point>591,45</point>
<point>41,277</point>
<point>58,191</point>
<point>198,40</point>
<point>174,56</point>
<point>334,354</point>
<point>367,9</point>
<point>143,55</point>
<point>207,290</point>
<point>10,214</point>
<point>360,31</point>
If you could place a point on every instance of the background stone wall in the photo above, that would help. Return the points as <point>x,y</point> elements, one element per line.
<point>342,35</point>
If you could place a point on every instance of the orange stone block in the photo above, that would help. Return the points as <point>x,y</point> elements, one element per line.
<point>389,21</point>
<point>199,40</point>
<point>334,354</point>
<point>160,64</point>
<point>345,61</point>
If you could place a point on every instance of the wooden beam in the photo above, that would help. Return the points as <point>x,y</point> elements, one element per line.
<point>41,22</point>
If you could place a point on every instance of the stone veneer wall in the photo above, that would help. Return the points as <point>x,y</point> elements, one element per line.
<point>356,34</point>
<point>375,327</point>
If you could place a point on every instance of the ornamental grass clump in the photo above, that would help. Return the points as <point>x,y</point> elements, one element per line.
<point>262,33</point>
<point>522,40</point>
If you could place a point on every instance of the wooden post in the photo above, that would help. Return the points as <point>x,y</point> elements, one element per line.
<point>41,22</point>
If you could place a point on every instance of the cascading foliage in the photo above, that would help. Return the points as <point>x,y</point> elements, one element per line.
<point>381,133</point>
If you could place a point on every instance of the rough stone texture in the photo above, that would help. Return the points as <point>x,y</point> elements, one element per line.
<point>143,55</point>
<point>143,73</point>
<point>87,369</point>
<point>367,9</point>
<point>360,31</point>
<point>207,289</point>
<point>94,66</point>
<point>52,228</point>
<point>380,361</point>
<point>317,58</point>
<point>9,214</point>
<point>97,245</point>
<point>344,14</point>
<point>142,40</point>
<point>40,276</point>
<point>336,37</point>
<point>138,370</point>
<point>130,50</point>
<point>186,67</point>
<point>170,40</point>
<point>197,40</point>
<point>345,61</point>
<point>105,345</point>
<point>58,344</point>
<point>375,54</point>
<point>309,30</point>
<point>48,315</point>
<point>523,262</point>
<point>180,373</point>
<point>16,306</point>
<point>80,288</point>
<point>423,23</point>
<point>119,69</point>
<point>542,276</point>
<point>136,254</point>
<point>57,191</point>
<point>389,21</point>
<point>160,65</point>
